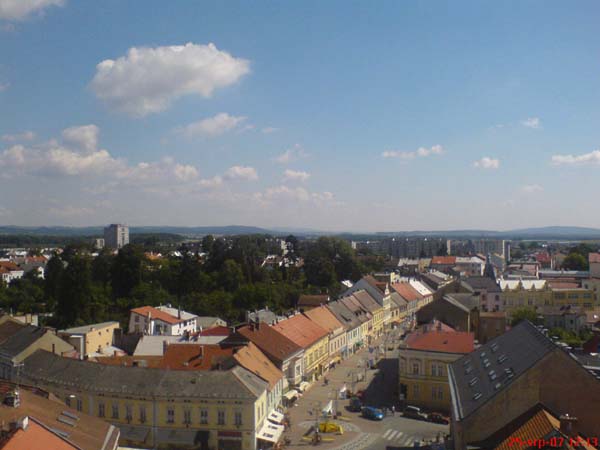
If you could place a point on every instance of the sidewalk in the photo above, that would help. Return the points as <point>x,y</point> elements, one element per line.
<point>318,395</point>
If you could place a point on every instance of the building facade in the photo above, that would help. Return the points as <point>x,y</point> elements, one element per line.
<point>116,236</point>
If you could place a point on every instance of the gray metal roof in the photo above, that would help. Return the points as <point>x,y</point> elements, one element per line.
<point>467,300</point>
<point>476,283</point>
<point>21,340</point>
<point>477,377</point>
<point>87,328</point>
<point>344,315</point>
<point>46,369</point>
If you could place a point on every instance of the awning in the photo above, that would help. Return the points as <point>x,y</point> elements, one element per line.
<point>303,386</point>
<point>275,416</point>
<point>270,432</point>
<point>292,393</point>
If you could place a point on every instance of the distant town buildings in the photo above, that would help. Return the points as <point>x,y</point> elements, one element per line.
<point>115,236</point>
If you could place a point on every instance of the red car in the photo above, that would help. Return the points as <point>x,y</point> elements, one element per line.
<point>437,418</point>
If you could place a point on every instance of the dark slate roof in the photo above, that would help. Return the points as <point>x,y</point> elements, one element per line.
<point>467,300</point>
<point>344,315</point>
<point>9,328</point>
<point>398,300</point>
<point>509,356</point>
<point>477,283</point>
<point>21,340</point>
<point>46,369</point>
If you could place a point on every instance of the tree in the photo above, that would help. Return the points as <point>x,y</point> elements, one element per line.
<point>520,314</point>
<point>230,277</point>
<point>126,271</point>
<point>52,276</point>
<point>75,292</point>
<point>575,261</point>
<point>101,267</point>
<point>207,243</point>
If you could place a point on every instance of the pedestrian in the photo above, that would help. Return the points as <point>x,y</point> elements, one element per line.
<point>393,410</point>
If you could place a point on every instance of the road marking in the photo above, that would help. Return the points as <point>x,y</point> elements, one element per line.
<point>399,435</point>
<point>392,435</point>
<point>387,432</point>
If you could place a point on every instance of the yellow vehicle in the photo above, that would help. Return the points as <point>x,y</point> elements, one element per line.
<point>330,427</point>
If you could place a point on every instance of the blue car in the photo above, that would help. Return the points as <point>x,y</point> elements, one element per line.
<point>369,412</point>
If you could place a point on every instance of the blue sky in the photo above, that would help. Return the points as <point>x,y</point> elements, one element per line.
<point>330,115</point>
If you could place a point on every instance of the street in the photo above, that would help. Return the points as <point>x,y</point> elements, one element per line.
<point>380,390</point>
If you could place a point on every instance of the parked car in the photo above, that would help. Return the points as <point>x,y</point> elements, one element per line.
<point>355,404</point>
<point>437,418</point>
<point>369,412</point>
<point>414,412</point>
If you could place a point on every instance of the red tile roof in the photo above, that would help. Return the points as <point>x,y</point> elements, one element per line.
<point>313,300</point>
<point>9,265</point>
<point>194,356</point>
<point>324,318</point>
<point>594,257</point>
<point>156,314</point>
<point>216,331</point>
<point>444,260</point>
<point>407,292</point>
<point>563,285</point>
<point>33,436</point>
<point>537,427</point>
<point>271,342</point>
<point>300,330</point>
<point>441,341</point>
<point>251,358</point>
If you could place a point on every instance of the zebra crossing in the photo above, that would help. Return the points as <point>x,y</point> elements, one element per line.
<point>399,438</point>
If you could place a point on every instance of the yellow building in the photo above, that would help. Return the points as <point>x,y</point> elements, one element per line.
<point>525,294</point>
<point>159,408</point>
<point>571,294</point>
<point>312,338</point>
<point>423,362</point>
<point>376,310</point>
<point>92,339</point>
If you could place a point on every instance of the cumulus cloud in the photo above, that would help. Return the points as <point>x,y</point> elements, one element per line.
<point>213,182</point>
<point>84,137</point>
<point>185,172</point>
<point>487,163</point>
<point>531,188</point>
<point>17,10</point>
<point>294,194</point>
<point>18,137</point>
<point>532,122</point>
<point>421,152</point>
<point>592,158</point>
<point>212,126</point>
<point>292,154</point>
<point>295,175</point>
<point>148,80</point>
<point>241,173</point>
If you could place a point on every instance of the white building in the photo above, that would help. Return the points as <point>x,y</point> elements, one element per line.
<point>116,235</point>
<point>163,320</point>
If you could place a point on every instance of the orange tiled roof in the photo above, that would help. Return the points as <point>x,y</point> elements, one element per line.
<point>441,341</point>
<point>300,330</point>
<point>536,427</point>
<point>194,356</point>
<point>270,341</point>
<point>324,318</point>
<point>33,436</point>
<point>563,285</point>
<point>594,257</point>
<point>251,358</point>
<point>444,260</point>
<point>407,292</point>
<point>156,314</point>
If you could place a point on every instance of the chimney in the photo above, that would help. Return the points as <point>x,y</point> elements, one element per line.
<point>568,425</point>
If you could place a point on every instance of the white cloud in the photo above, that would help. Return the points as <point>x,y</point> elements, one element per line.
<point>531,188</point>
<point>532,122</point>
<point>213,182</point>
<point>487,163</point>
<point>421,152</point>
<point>24,136</point>
<point>84,137</point>
<point>212,126</point>
<point>292,154</point>
<point>70,211</point>
<point>286,194</point>
<point>185,172</point>
<point>16,10</point>
<point>295,175</point>
<point>148,80</point>
<point>269,130</point>
<point>241,173</point>
<point>592,158</point>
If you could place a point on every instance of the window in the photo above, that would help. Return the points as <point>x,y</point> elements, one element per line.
<point>204,416</point>
<point>238,418</point>
<point>187,416</point>
<point>79,404</point>
<point>221,417</point>
<point>415,370</point>
<point>170,415</point>
<point>142,414</point>
<point>128,413</point>
<point>101,411</point>
<point>437,393</point>
<point>115,410</point>
<point>137,318</point>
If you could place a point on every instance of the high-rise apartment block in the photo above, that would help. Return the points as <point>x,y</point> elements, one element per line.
<point>116,235</point>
